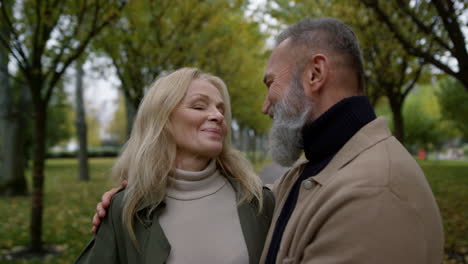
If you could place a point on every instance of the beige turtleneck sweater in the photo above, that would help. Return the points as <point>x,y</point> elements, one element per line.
<point>201,220</point>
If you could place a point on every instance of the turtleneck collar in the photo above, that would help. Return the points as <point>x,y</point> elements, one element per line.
<point>325,136</point>
<point>193,185</point>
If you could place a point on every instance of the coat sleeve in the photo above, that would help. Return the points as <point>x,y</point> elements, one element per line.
<point>368,225</point>
<point>268,202</point>
<point>102,249</point>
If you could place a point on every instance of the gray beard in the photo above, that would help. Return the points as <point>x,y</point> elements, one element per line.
<point>289,117</point>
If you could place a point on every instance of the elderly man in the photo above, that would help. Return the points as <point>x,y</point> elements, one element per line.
<point>359,197</point>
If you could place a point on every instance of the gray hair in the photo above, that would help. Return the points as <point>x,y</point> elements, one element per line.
<point>327,34</point>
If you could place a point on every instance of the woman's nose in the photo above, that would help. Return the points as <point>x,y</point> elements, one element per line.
<point>216,116</point>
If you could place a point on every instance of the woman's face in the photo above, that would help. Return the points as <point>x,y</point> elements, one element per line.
<point>198,122</point>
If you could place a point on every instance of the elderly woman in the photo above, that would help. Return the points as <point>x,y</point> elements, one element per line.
<point>190,198</point>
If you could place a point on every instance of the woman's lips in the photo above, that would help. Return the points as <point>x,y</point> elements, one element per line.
<point>213,131</point>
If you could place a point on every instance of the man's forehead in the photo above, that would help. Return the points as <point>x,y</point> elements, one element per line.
<point>278,59</point>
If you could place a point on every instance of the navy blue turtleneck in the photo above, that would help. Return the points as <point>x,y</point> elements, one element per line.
<point>322,139</point>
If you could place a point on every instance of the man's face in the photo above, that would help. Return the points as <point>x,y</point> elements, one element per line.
<point>277,76</point>
<point>286,103</point>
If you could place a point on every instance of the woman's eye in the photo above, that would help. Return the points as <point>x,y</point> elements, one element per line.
<point>198,107</point>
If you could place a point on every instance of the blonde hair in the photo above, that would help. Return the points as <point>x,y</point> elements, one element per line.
<point>148,157</point>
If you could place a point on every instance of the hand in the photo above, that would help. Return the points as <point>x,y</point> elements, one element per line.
<point>103,205</point>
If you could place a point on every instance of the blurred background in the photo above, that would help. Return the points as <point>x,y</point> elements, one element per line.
<point>72,74</point>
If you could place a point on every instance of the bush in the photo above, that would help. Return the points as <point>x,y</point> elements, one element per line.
<point>93,152</point>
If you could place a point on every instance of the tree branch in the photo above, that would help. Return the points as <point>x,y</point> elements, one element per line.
<point>420,24</point>
<point>15,39</point>
<point>454,30</point>
<point>413,82</point>
<point>6,45</point>
<point>428,57</point>
<point>36,55</point>
<point>79,50</point>
<point>66,41</point>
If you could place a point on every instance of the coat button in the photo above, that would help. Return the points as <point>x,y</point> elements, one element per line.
<point>307,184</point>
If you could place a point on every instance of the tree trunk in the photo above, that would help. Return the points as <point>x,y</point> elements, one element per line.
<point>12,179</point>
<point>81,127</point>
<point>13,182</point>
<point>130,111</point>
<point>464,80</point>
<point>40,119</point>
<point>398,122</point>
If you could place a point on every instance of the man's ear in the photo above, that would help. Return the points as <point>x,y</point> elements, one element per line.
<point>316,73</point>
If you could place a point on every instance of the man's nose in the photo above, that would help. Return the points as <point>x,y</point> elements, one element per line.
<point>266,106</point>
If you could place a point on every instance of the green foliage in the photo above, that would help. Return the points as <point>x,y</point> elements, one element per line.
<point>430,30</point>
<point>155,37</point>
<point>93,127</point>
<point>45,39</point>
<point>453,102</point>
<point>117,128</point>
<point>424,127</point>
<point>389,70</point>
<point>93,152</point>
<point>60,123</point>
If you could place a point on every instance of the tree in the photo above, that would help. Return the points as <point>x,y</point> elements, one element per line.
<point>117,128</point>
<point>59,120</point>
<point>389,70</point>
<point>155,37</point>
<point>453,103</point>
<point>81,128</point>
<point>423,120</point>
<point>93,127</point>
<point>12,178</point>
<point>45,39</point>
<point>431,30</point>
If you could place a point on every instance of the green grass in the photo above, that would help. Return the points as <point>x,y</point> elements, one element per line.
<point>69,206</point>
<point>68,209</point>
<point>449,182</point>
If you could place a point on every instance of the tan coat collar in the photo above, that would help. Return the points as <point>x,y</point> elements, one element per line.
<point>365,138</point>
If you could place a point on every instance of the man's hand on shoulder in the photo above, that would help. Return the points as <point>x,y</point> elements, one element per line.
<point>104,205</point>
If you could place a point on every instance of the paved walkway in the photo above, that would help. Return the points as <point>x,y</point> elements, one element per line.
<point>271,172</point>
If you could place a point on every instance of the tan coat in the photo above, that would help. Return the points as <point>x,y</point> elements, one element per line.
<point>371,204</point>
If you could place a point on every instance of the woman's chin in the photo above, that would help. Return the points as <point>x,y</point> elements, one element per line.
<point>212,151</point>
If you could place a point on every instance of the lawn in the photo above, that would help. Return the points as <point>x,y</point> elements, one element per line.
<point>69,206</point>
<point>68,209</point>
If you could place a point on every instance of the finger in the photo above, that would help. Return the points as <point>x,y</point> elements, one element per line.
<point>106,197</point>
<point>96,220</point>
<point>93,230</point>
<point>124,184</point>
<point>101,212</point>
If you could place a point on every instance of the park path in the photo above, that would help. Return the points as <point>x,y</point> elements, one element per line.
<point>271,172</point>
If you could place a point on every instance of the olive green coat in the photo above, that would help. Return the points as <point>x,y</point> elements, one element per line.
<point>112,243</point>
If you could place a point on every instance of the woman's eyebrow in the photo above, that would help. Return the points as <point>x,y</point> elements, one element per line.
<point>206,97</point>
<point>200,95</point>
